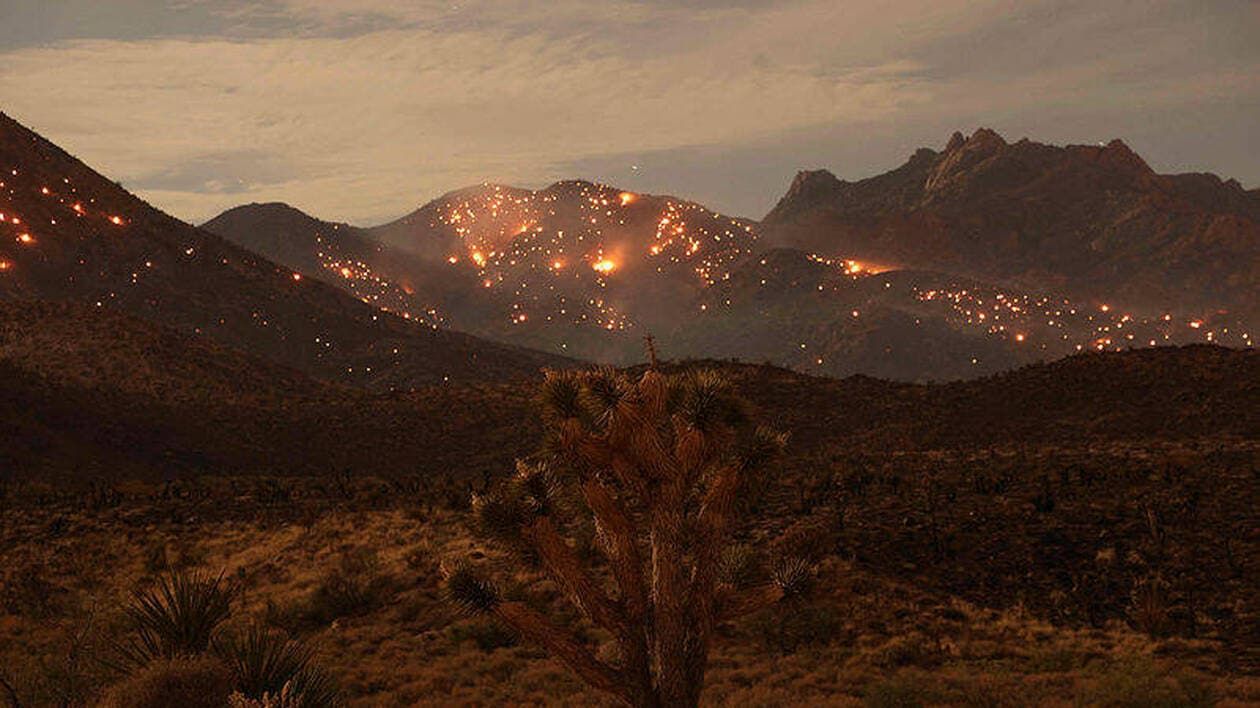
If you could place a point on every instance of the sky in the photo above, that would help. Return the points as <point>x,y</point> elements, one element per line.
<point>361,110</point>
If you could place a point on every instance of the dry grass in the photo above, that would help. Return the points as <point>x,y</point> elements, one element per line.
<point>889,642</point>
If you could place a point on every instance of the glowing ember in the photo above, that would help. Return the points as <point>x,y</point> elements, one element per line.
<point>116,220</point>
<point>478,258</point>
<point>627,198</point>
<point>26,239</point>
<point>5,265</point>
<point>453,260</point>
<point>346,272</point>
<point>297,276</point>
<point>604,266</point>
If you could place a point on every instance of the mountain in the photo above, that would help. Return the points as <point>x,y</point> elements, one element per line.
<point>70,234</point>
<point>1092,222</point>
<point>352,259</point>
<point>577,268</point>
<point>588,270</point>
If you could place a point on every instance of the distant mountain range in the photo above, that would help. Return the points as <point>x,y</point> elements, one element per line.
<point>917,274</point>
<point>973,260</point>
<point>68,233</point>
<point>1087,221</point>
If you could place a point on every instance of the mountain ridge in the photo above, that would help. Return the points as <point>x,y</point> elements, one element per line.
<point>71,233</point>
<point>1095,220</point>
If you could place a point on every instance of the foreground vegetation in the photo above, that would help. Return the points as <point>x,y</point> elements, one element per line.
<point>353,573</point>
<point>1075,534</point>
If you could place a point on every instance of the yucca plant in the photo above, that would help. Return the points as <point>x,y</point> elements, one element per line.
<point>659,464</point>
<point>266,665</point>
<point>175,617</point>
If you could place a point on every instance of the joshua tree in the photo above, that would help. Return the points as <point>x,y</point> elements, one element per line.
<point>660,466</point>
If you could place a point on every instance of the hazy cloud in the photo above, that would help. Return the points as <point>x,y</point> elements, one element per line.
<point>362,109</point>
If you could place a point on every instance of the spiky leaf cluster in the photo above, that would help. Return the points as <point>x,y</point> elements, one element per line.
<point>470,592</point>
<point>264,663</point>
<point>176,617</point>
<point>793,575</point>
<point>561,395</point>
<point>505,511</point>
<point>739,568</point>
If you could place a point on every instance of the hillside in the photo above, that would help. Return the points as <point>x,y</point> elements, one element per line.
<point>589,270</point>
<point>1123,483</point>
<point>70,234</point>
<point>96,395</point>
<point>1092,222</point>
<point>133,390</point>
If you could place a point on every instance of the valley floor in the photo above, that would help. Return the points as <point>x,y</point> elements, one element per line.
<point>351,566</point>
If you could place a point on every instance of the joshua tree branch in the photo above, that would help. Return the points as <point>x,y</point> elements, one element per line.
<point>563,565</point>
<point>627,567</point>
<point>712,524</point>
<point>565,647</point>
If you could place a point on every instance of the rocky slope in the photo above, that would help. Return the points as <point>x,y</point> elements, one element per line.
<point>1088,221</point>
<point>70,234</point>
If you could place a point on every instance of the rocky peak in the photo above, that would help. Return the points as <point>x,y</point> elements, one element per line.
<point>1118,154</point>
<point>961,155</point>
<point>809,189</point>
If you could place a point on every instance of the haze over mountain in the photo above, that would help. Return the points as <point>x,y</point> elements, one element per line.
<point>69,233</point>
<point>588,269</point>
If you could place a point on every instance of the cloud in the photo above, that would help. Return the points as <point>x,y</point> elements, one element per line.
<point>361,110</point>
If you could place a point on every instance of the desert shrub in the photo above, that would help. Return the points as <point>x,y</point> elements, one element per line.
<point>902,691</point>
<point>355,586</point>
<point>162,556</point>
<point>198,682</point>
<point>1138,682</point>
<point>790,629</point>
<point>265,665</point>
<point>175,617</point>
<point>1149,606</point>
<point>906,650</point>
<point>25,591</point>
<point>488,635</point>
<point>988,691</point>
